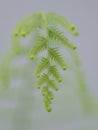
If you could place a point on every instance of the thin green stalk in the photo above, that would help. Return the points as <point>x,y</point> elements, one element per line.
<point>83,91</point>
<point>48,55</point>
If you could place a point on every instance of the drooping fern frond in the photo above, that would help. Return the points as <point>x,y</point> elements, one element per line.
<point>46,29</point>
<point>44,22</point>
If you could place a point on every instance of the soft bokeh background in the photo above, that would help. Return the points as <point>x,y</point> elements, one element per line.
<point>66,113</point>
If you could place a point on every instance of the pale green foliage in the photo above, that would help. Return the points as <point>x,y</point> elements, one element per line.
<point>56,35</point>
<point>39,45</point>
<point>56,56</point>
<point>53,85</point>
<point>42,80</point>
<point>55,73</point>
<point>47,70</point>
<point>29,25</point>
<point>57,19</point>
<point>43,65</point>
<point>16,47</point>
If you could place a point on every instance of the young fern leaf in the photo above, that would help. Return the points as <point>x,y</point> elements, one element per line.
<point>56,35</point>
<point>39,45</point>
<point>55,73</point>
<point>56,56</point>
<point>43,65</point>
<point>38,24</point>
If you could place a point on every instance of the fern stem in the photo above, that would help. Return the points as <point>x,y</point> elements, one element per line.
<point>48,55</point>
<point>46,99</point>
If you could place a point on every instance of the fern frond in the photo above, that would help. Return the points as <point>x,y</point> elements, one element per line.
<point>54,18</point>
<point>42,80</point>
<point>55,73</point>
<point>56,56</point>
<point>53,85</point>
<point>56,35</point>
<point>43,65</point>
<point>39,45</point>
<point>46,28</point>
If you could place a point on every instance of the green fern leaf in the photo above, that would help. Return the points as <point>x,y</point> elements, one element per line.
<point>39,45</point>
<point>55,73</point>
<point>45,27</point>
<point>56,56</point>
<point>47,103</point>
<point>50,95</point>
<point>56,35</point>
<point>43,65</point>
<point>53,85</point>
<point>47,92</point>
<point>42,80</point>
<point>44,91</point>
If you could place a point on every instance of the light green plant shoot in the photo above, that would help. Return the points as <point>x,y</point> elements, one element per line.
<point>47,70</point>
<point>48,32</point>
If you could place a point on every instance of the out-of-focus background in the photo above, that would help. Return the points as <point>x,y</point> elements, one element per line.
<point>21,106</point>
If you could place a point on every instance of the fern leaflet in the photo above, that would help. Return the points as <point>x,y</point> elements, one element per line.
<point>39,45</point>
<point>56,56</point>
<point>43,65</point>
<point>53,85</point>
<point>55,73</point>
<point>42,80</point>
<point>57,35</point>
